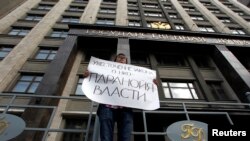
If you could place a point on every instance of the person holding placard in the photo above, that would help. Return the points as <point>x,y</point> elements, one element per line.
<point>109,114</point>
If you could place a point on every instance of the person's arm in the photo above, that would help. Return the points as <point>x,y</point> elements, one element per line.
<point>155,81</point>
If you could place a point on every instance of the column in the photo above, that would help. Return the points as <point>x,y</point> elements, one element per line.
<point>185,16</point>
<point>233,15</point>
<point>123,47</point>
<point>236,74</point>
<point>90,12</point>
<point>211,17</point>
<point>240,6</point>
<point>122,13</point>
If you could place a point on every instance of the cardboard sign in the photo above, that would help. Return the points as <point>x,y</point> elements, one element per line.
<point>121,84</point>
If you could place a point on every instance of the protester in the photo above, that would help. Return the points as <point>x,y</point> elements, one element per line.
<point>109,114</point>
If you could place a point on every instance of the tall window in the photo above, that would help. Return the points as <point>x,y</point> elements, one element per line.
<point>19,32</point>
<point>179,90</point>
<point>27,84</point>
<point>46,54</point>
<point>4,51</point>
<point>78,90</point>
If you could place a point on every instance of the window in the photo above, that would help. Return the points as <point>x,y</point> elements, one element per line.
<point>229,5</point>
<point>44,7</point>
<point>169,7</point>
<point>132,4</point>
<point>59,34</point>
<point>105,21</point>
<point>27,84</point>
<point>202,61</point>
<point>198,18</point>
<point>179,90</point>
<point>134,23</point>
<point>76,9</point>
<point>225,20</point>
<point>173,16</point>
<point>78,90</point>
<point>237,31</point>
<point>80,0</point>
<point>179,27</point>
<point>183,1</point>
<point>46,54</point>
<point>152,14</point>
<point>133,12</point>
<point>110,1</point>
<point>4,51</point>
<point>33,17</point>
<point>102,54</point>
<point>70,20</point>
<point>107,10</point>
<point>206,29</point>
<point>215,11</point>
<point>77,124</point>
<point>191,9</point>
<point>217,90</point>
<point>149,5</point>
<point>19,31</point>
<point>239,13</point>
<point>139,58</point>
<point>206,3</point>
<point>171,60</point>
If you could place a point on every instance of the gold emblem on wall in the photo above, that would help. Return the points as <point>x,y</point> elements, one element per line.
<point>3,125</point>
<point>160,25</point>
<point>189,130</point>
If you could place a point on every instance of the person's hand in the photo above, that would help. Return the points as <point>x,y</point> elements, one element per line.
<point>86,73</point>
<point>155,81</point>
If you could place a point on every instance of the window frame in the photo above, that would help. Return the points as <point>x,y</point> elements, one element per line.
<point>25,85</point>
<point>169,86</point>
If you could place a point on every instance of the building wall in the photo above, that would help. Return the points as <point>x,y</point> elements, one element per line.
<point>50,52</point>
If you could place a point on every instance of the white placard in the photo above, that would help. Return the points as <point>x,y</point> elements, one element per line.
<point>121,84</point>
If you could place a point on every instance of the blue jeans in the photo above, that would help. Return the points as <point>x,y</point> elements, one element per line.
<point>108,117</point>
